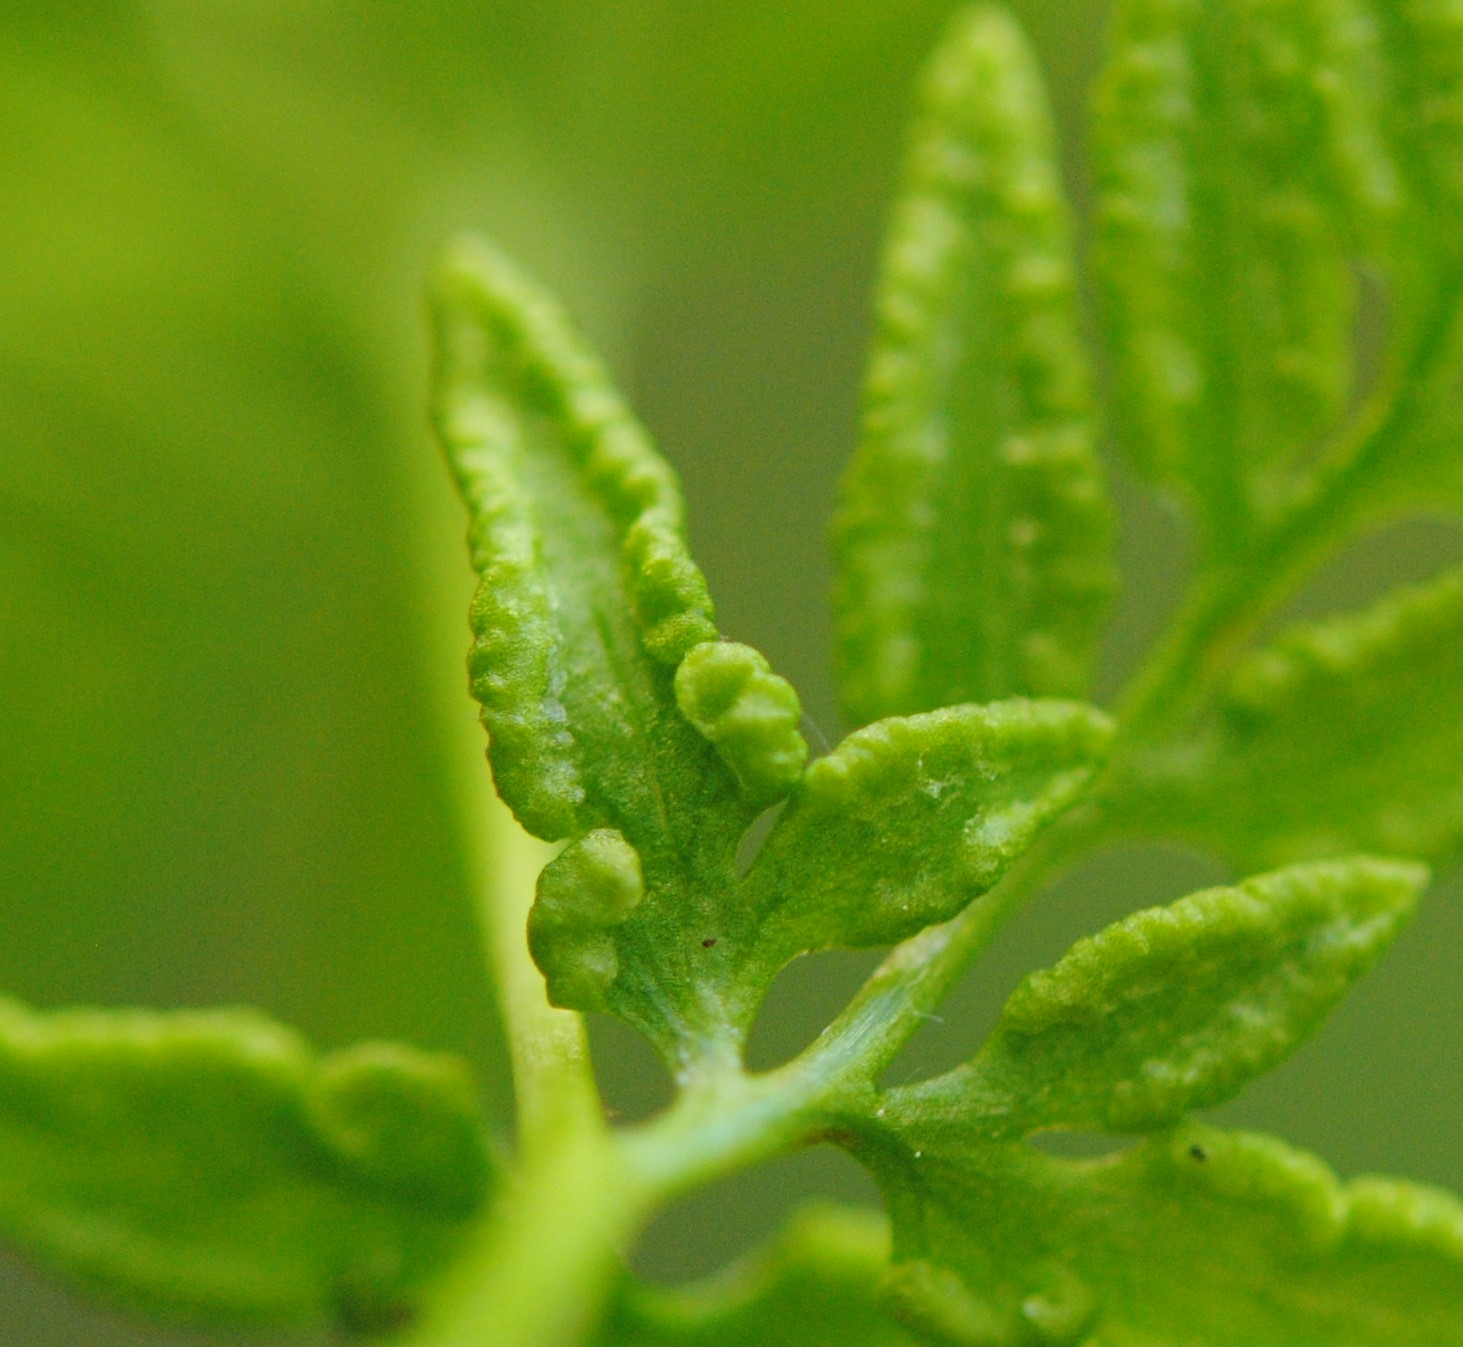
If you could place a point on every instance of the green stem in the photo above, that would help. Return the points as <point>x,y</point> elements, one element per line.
<point>543,1267</point>
<point>539,1269</point>
<point>904,990</point>
<point>537,1279</point>
<point>552,1080</point>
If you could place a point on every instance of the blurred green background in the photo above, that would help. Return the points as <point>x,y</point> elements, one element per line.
<point>231,573</point>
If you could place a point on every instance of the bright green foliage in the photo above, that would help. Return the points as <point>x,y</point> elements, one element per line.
<point>1175,1008</point>
<point>1255,160</point>
<point>1416,102</point>
<point>209,1165</point>
<point>909,819</point>
<point>973,532</point>
<point>1346,734</point>
<point>1195,1238</point>
<point>1424,40</point>
<point>676,741</point>
<point>1409,115</point>
<point>815,1287</point>
<point>1252,157</point>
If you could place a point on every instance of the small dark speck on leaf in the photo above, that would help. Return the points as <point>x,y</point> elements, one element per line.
<point>708,942</point>
<point>1199,1153</point>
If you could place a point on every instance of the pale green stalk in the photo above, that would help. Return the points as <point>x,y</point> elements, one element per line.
<point>542,1263</point>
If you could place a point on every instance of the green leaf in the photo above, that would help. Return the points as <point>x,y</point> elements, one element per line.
<point>588,604</point>
<point>1344,735</point>
<point>1196,1238</point>
<point>909,819</point>
<point>588,598</point>
<point>1404,117</point>
<point>1235,156</point>
<point>814,1287</point>
<point>1417,466</point>
<point>973,536</point>
<point>1420,113</point>
<point>209,1166</point>
<point>1174,1009</point>
<point>1254,157</point>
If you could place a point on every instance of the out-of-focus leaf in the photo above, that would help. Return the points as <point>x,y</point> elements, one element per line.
<point>973,532</point>
<point>208,1166</point>
<point>1344,735</point>
<point>1254,159</point>
<point>814,1287</point>
<point>1234,152</point>
<point>205,498</point>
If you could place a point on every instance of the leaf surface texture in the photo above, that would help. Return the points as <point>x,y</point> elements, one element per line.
<point>1194,1238</point>
<point>910,819</point>
<point>1175,1008</point>
<point>588,604</point>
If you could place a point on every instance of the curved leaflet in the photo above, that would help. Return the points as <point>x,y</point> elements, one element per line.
<point>588,603</point>
<point>727,691</point>
<point>588,597</point>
